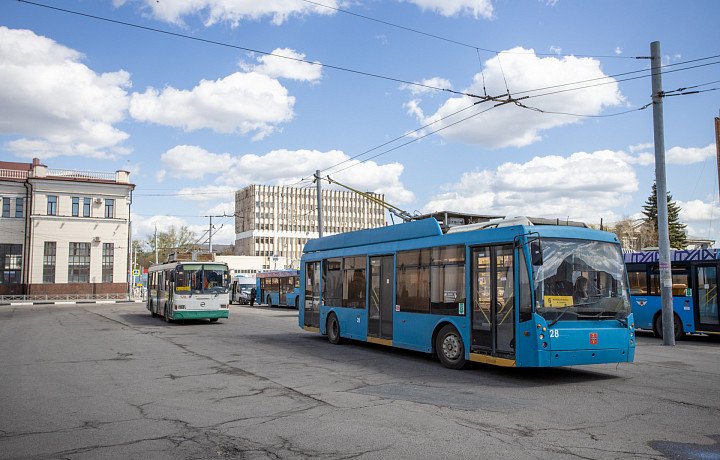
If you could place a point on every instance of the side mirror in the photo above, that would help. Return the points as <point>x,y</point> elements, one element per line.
<point>536,255</point>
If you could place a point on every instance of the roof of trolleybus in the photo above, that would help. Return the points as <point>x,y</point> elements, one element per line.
<point>427,232</point>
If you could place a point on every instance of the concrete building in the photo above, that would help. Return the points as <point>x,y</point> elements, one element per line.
<point>276,221</point>
<point>63,231</point>
<point>251,265</point>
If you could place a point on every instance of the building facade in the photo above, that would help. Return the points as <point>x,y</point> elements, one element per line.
<point>275,221</point>
<point>63,231</point>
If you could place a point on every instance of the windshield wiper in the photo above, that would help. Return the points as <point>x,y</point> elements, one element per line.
<point>557,318</point>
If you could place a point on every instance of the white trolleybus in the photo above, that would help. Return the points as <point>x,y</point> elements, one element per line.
<point>189,289</point>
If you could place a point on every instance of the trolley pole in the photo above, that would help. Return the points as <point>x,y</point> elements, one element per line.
<point>717,145</point>
<point>319,203</point>
<point>668,317</point>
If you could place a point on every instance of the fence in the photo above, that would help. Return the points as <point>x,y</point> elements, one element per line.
<point>62,297</point>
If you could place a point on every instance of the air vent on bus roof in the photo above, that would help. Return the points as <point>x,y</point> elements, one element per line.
<point>493,223</point>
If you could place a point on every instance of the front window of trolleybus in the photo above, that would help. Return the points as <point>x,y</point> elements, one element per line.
<point>580,280</point>
<point>202,278</point>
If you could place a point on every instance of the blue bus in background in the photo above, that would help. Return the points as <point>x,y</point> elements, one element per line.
<point>278,288</point>
<point>694,290</point>
<point>509,292</point>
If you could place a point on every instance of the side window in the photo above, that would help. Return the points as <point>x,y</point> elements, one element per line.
<point>680,281</point>
<point>447,280</point>
<point>354,282</point>
<point>332,282</point>
<point>638,279</point>
<point>413,280</point>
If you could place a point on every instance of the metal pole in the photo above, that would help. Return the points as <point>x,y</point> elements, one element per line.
<point>210,237</point>
<point>156,246</point>
<point>319,203</point>
<point>668,317</point>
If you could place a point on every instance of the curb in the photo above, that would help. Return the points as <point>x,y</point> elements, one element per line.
<point>67,302</point>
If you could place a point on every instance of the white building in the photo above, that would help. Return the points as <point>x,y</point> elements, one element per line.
<point>63,231</point>
<point>275,221</point>
<point>249,266</point>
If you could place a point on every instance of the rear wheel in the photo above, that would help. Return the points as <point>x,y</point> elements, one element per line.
<point>212,320</point>
<point>333,329</point>
<point>658,327</point>
<point>449,348</point>
<point>297,304</point>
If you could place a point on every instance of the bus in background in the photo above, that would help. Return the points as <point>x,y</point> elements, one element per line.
<point>240,289</point>
<point>179,290</point>
<point>279,288</point>
<point>694,290</point>
<point>540,294</point>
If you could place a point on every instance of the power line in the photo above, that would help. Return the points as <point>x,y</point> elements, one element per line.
<point>242,48</point>
<point>457,42</point>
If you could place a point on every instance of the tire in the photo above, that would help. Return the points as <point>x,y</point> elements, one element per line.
<point>657,327</point>
<point>297,304</point>
<point>449,348</point>
<point>269,301</point>
<point>167,314</point>
<point>333,329</point>
<point>214,320</point>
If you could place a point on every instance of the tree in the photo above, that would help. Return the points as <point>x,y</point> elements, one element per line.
<point>676,229</point>
<point>171,240</point>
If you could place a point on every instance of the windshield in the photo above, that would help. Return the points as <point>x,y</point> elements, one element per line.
<point>580,280</point>
<point>201,278</point>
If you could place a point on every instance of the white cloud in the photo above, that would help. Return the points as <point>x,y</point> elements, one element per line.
<point>476,8</point>
<point>55,103</point>
<point>435,82</point>
<point>702,218</point>
<point>143,227</point>
<point>641,147</point>
<point>240,102</point>
<point>231,11</point>
<point>687,155</point>
<point>583,186</point>
<point>555,50</point>
<point>283,167</point>
<point>278,67</point>
<point>618,50</point>
<point>509,125</point>
<point>192,162</point>
<point>225,208</point>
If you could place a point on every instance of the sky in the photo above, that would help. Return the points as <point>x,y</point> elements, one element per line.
<point>200,98</point>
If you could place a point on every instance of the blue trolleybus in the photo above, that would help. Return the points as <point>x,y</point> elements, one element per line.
<point>540,294</point>
<point>279,288</point>
<point>694,290</point>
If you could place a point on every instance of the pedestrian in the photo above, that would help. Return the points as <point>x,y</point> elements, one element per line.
<point>252,297</point>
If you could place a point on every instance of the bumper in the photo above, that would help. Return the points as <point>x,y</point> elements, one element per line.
<point>191,314</point>
<point>579,357</point>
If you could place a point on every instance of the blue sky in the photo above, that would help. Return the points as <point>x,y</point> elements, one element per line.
<point>194,121</point>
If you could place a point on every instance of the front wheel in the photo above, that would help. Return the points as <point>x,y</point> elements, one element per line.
<point>449,348</point>
<point>213,320</point>
<point>333,329</point>
<point>658,327</point>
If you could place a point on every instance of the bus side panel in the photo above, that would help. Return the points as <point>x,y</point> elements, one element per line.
<point>293,299</point>
<point>645,308</point>
<point>353,321</point>
<point>414,331</point>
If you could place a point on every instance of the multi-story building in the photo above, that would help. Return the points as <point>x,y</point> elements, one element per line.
<point>63,231</point>
<point>276,221</point>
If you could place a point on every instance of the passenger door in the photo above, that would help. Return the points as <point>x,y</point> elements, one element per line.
<point>380,306</point>
<point>493,300</point>
<point>312,295</point>
<point>707,299</point>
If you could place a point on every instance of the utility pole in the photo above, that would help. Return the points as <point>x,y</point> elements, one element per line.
<point>210,235</point>
<point>156,246</point>
<point>668,317</point>
<point>717,145</point>
<point>319,203</point>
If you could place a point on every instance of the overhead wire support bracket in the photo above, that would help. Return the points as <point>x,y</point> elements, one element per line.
<point>404,215</point>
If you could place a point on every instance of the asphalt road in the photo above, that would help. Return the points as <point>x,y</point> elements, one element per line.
<point>104,381</point>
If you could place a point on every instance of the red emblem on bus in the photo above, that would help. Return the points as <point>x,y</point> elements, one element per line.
<point>593,338</point>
